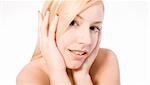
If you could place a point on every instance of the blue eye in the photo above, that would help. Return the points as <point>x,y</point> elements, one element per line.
<point>95,28</point>
<point>73,23</point>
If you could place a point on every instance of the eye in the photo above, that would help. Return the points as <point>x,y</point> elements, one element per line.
<point>95,28</point>
<point>73,23</point>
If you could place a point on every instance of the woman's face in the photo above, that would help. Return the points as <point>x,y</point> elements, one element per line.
<point>81,37</point>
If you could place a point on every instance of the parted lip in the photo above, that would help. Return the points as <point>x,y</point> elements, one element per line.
<point>79,52</point>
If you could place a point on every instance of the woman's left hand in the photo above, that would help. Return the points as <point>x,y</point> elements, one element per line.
<point>81,75</point>
<point>88,62</point>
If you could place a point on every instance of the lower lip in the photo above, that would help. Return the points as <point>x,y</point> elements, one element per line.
<point>78,57</point>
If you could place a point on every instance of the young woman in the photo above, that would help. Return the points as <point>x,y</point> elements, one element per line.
<point>67,51</point>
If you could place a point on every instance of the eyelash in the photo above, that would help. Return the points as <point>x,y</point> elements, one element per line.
<point>73,22</point>
<point>96,29</point>
<point>93,28</point>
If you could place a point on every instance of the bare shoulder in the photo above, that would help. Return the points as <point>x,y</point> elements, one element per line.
<point>33,74</point>
<point>106,68</point>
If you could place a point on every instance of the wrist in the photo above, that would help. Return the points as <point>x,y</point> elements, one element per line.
<point>80,73</point>
<point>59,78</point>
<point>82,78</point>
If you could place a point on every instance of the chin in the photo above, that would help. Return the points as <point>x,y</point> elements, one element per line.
<point>74,65</point>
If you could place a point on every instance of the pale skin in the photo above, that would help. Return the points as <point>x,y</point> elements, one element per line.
<point>98,67</point>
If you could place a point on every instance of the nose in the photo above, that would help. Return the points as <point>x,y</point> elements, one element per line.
<point>84,36</point>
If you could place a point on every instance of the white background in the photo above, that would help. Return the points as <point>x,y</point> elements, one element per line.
<point>126,30</point>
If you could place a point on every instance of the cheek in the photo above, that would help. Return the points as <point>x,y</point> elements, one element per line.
<point>66,38</point>
<point>100,36</point>
<point>95,39</point>
<point>64,41</point>
<point>61,43</point>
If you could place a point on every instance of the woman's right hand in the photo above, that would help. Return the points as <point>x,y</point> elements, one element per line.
<point>48,48</point>
<point>54,60</point>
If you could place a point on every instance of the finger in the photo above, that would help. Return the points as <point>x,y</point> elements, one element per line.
<point>40,20</point>
<point>39,23</point>
<point>53,25</point>
<point>89,61</point>
<point>45,8</point>
<point>93,55</point>
<point>45,25</point>
<point>53,28</point>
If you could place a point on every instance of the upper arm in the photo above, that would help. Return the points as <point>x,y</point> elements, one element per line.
<point>31,75</point>
<point>108,72</point>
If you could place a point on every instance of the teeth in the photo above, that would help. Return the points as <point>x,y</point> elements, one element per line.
<point>78,52</point>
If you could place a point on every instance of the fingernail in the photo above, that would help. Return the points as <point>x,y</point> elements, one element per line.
<point>47,12</point>
<point>57,14</point>
<point>56,17</point>
<point>38,12</point>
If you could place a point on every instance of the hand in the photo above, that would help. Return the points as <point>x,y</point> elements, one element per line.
<point>81,76</point>
<point>54,60</point>
<point>48,48</point>
<point>89,61</point>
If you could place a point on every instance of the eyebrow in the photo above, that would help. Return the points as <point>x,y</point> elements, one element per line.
<point>79,16</point>
<point>96,22</point>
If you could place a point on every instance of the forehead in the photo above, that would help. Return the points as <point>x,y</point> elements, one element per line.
<point>93,13</point>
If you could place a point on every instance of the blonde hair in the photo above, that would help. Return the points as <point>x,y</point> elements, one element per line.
<point>67,11</point>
